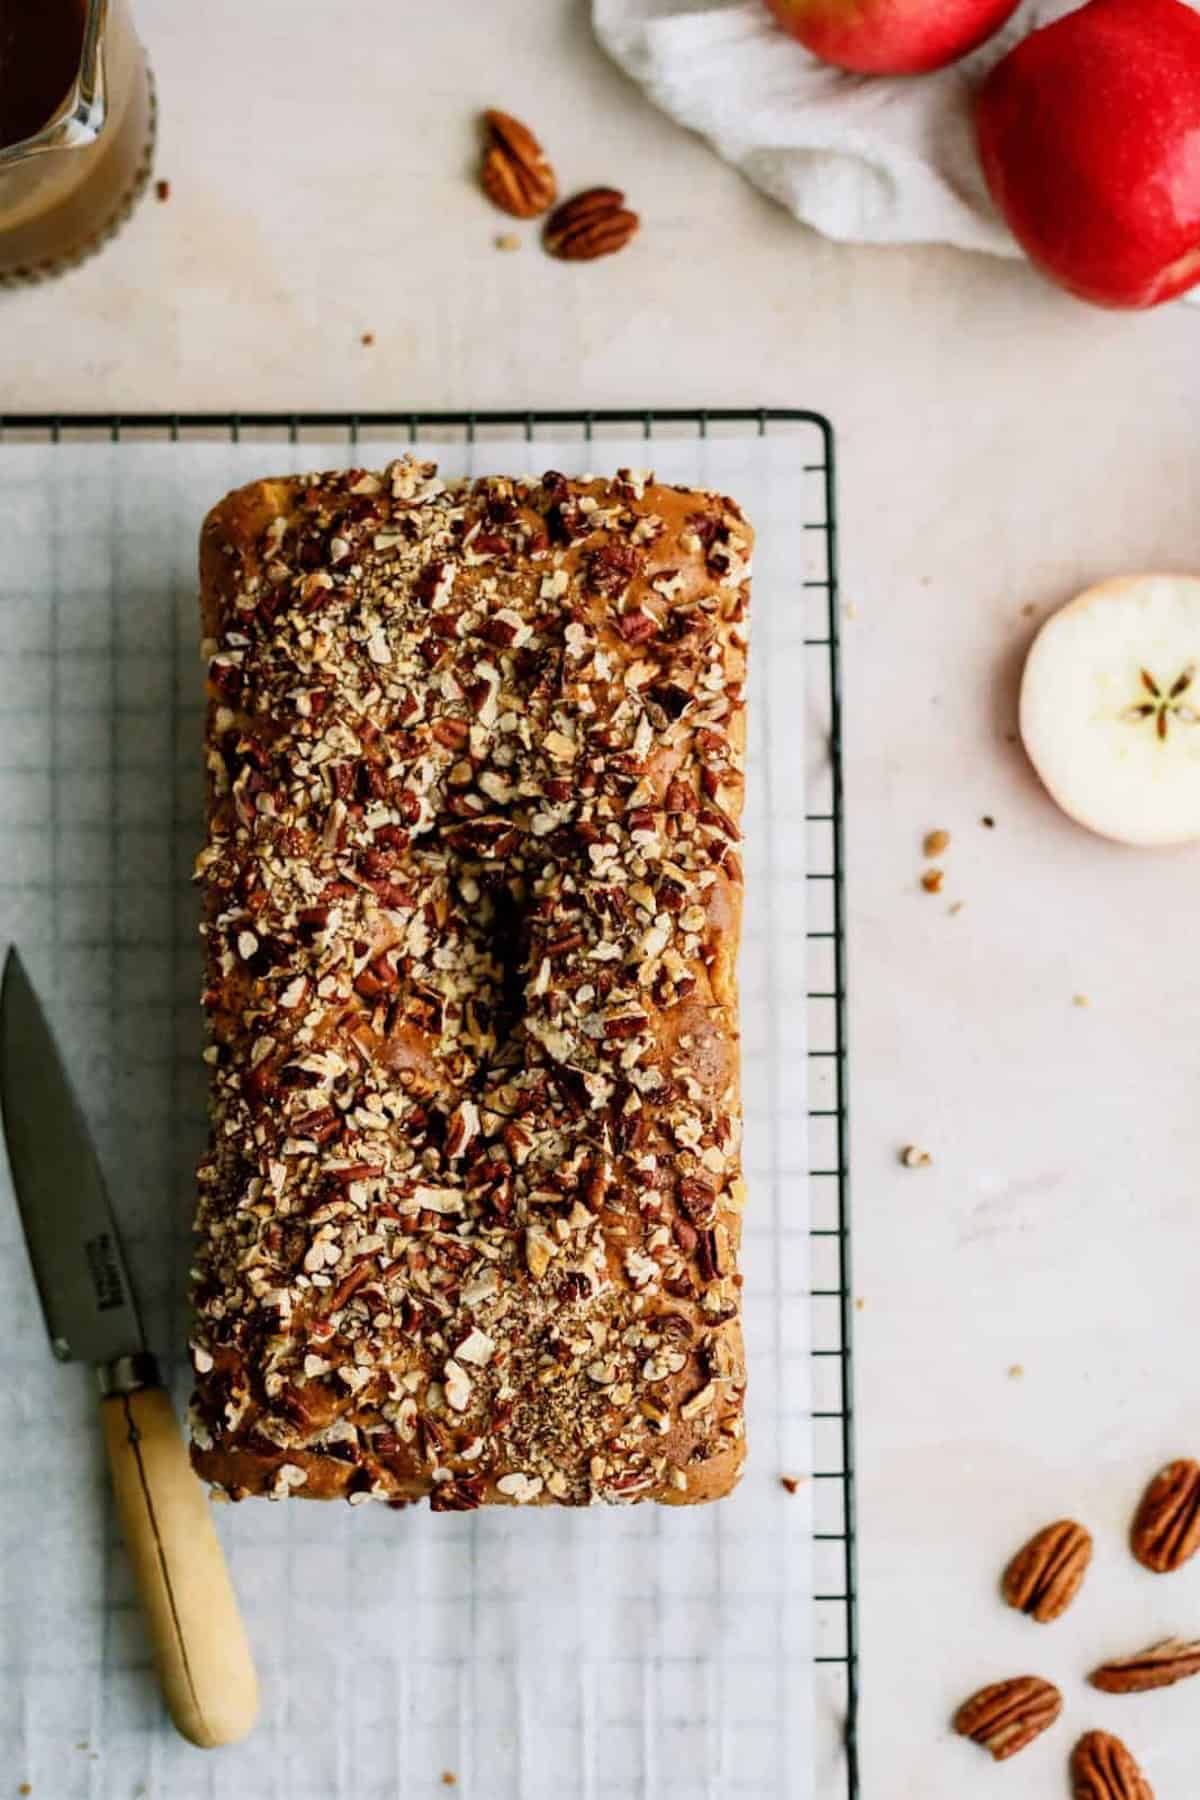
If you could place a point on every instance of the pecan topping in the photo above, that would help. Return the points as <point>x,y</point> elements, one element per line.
<point>469,1212</point>
<point>1006,1717</point>
<point>1161,1666</point>
<point>594,223</point>
<point>1166,1530</point>
<point>515,174</point>
<point>1044,1577</point>
<point>1102,1769</point>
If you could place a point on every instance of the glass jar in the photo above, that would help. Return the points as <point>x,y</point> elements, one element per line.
<point>69,178</point>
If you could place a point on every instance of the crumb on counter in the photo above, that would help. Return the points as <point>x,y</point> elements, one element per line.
<point>367,339</point>
<point>1016,1371</point>
<point>936,842</point>
<point>162,190</point>
<point>914,1158</point>
<point>988,821</point>
<point>25,1788</point>
<point>449,1778</point>
<point>508,240</point>
<point>955,908</point>
<point>932,881</point>
<point>849,610</point>
<point>791,1483</point>
<point>1080,1000</point>
<point>859,1304</point>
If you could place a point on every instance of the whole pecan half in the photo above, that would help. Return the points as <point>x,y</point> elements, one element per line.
<point>1044,1577</point>
<point>1166,1530</point>
<point>1161,1666</point>
<point>516,175</point>
<point>1005,1717</point>
<point>594,223</point>
<point>1102,1769</point>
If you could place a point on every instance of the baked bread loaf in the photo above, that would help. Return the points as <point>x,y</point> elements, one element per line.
<point>469,1216</point>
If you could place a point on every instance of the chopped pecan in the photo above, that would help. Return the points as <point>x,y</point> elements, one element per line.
<point>323,1124</point>
<point>612,567</point>
<point>1007,1716</point>
<point>707,1255</point>
<point>499,631</point>
<point>1176,1659</point>
<point>573,1286</point>
<point>698,1201</point>
<point>463,1495</point>
<point>435,1440</point>
<point>358,1277</point>
<point>1166,1530</point>
<point>591,224</point>
<point>566,521</point>
<point>569,940</point>
<point>705,526</point>
<point>685,1235</point>
<point>461,1127</point>
<point>596,1185</point>
<point>625,1025</point>
<point>452,734</point>
<point>1103,1769</point>
<point>636,627</point>
<point>429,579</point>
<point>516,175</point>
<point>1044,1577</point>
<point>490,543</point>
<point>358,1171</point>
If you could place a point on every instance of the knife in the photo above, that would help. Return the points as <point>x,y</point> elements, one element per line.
<point>200,1649</point>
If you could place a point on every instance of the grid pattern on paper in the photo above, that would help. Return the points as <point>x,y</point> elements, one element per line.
<point>665,1655</point>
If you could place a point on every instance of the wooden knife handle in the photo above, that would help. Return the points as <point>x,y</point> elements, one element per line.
<point>199,1642</point>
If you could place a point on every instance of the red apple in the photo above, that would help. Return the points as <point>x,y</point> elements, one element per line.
<point>891,37</point>
<point>1089,134</point>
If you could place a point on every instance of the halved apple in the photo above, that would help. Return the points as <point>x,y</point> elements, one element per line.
<point>1110,708</point>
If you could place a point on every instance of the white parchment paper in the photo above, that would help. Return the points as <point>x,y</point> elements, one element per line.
<point>643,1651</point>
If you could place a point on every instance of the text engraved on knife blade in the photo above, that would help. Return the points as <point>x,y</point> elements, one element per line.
<point>105,1271</point>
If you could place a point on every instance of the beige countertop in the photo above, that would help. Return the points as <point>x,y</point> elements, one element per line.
<point>999,445</point>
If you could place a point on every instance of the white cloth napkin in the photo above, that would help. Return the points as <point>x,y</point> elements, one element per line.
<point>877,160</point>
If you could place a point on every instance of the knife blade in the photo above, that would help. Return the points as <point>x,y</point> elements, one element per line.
<point>196,1634</point>
<point>74,1245</point>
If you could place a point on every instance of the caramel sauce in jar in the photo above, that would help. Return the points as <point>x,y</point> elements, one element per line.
<point>41,45</point>
<point>76,130</point>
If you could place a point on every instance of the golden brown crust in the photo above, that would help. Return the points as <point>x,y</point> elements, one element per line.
<point>469,1217</point>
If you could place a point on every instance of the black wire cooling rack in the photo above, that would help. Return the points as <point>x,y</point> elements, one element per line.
<point>835,1598</point>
